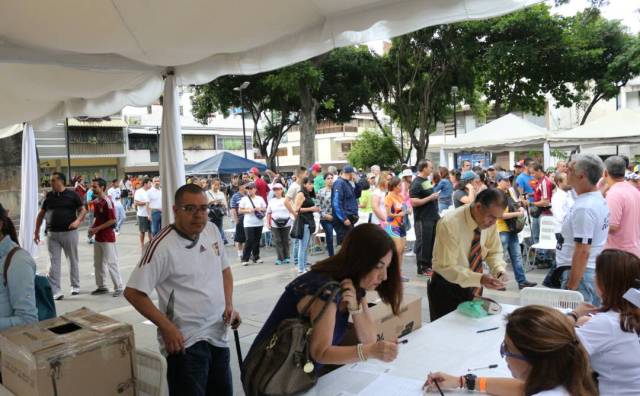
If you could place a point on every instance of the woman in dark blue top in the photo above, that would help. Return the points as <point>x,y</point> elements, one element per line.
<point>366,261</point>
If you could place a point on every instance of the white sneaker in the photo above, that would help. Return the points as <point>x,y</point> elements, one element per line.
<point>58,296</point>
<point>245,263</point>
<point>259,261</point>
<point>75,291</point>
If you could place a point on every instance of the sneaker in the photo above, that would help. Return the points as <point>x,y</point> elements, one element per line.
<point>258,261</point>
<point>428,273</point>
<point>58,296</point>
<point>100,290</point>
<point>526,284</point>
<point>245,263</point>
<point>278,262</point>
<point>75,291</point>
<point>117,293</point>
<point>405,279</point>
<point>287,260</point>
<point>300,272</point>
<point>409,254</point>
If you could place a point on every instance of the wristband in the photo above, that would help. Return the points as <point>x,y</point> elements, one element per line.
<point>360,352</point>
<point>574,315</point>
<point>482,384</point>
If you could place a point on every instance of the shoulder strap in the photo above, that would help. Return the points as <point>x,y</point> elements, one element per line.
<point>7,262</point>
<point>250,200</point>
<point>336,289</point>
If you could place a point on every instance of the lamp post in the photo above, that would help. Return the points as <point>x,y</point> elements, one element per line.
<point>454,92</point>
<point>242,87</point>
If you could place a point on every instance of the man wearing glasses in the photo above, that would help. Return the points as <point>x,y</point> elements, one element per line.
<point>186,265</point>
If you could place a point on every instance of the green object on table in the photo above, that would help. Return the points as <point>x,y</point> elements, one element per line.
<point>473,309</point>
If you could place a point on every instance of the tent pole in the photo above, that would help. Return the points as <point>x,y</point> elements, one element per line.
<point>66,131</point>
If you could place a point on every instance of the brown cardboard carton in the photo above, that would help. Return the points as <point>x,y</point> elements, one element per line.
<point>388,326</point>
<point>78,353</point>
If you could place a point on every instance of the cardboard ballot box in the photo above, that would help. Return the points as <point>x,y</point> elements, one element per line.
<point>78,353</point>
<point>388,326</point>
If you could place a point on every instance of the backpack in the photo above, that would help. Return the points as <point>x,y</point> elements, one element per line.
<point>44,296</point>
<point>281,363</point>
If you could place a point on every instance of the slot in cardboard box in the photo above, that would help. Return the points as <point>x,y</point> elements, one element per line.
<point>78,353</point>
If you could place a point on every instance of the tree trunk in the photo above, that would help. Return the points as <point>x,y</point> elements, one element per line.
<point>595,100</point>
<point>369,107</point>
<point>308,125</point>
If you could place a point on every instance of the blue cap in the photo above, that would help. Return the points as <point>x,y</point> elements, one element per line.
<point>347,169</point>
<point>469,175</point>
<point>503,176</point>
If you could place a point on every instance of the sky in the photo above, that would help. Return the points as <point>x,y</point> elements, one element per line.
<point>625,10</point>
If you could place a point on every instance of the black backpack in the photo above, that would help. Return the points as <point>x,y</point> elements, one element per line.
<point>44,296</point>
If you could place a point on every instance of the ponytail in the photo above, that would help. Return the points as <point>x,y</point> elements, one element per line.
<point>8,228</point>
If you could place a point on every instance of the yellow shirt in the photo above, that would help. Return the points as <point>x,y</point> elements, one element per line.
<point>454,234</point>
<point>501,224</point>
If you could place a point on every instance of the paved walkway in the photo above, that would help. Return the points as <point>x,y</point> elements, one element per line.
<point>257,288</point>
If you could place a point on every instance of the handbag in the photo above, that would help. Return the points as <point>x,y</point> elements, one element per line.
<point>281,363</point>
<point>280,223</point>
<point>259,215</point>
<point>297,230</point>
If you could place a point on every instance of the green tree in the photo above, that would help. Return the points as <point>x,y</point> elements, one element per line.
<point>263,100</point>
<point>603,57</point>
<point>372,148</point>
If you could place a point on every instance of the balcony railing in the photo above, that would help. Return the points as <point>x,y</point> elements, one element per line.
<point>96,149</point>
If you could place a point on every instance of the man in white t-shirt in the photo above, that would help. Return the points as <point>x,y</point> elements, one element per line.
<point>115,193</point>
<point>141,199</point>
<point>187,266</point>
<point>585,228</point>
<point>155,206</point>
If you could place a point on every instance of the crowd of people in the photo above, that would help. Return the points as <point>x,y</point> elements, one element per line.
<point>462,220</point>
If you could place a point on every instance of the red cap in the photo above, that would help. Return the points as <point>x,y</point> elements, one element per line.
<point>255,171</point>
<point>316,167</point>
<point>520,163</point>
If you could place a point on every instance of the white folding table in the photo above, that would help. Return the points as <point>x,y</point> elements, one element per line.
<point>450,344</point>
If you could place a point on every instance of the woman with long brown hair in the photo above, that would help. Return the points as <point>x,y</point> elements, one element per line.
<point>543,353</point>
<point>367,260</point>
<point>396,211</point>
<point>610,333</point>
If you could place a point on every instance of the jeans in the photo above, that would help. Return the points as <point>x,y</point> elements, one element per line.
<point>511,245</point>
<point>586,287</point>
<point>295,249</point>
<point>120,216</point>
<point>202,370</point>
<point>281,241</point>
<point>252,245</point>
<point>327,226</point>
<point>443,206</point>
<point>156,222</point>
<point>302,250</point>
<point>341,230</point>
<point>218,223</point>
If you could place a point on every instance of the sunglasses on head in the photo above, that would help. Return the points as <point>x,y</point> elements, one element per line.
<point>504,353</point>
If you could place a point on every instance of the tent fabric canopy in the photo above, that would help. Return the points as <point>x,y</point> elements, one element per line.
<point>64,59</point>
<point>621,127</point>
<point>509,131</point>
<point>224,163</point>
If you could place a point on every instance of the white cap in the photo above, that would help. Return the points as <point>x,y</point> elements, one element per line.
<point>406,173</point>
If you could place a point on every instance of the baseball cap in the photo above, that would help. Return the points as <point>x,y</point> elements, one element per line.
<point>469,175</point>
<point>503,176</point>
<point>277,186</point>
<point>519,164</point>
<point>406,173</point>
<point>347,169</point>
<point>255,171</point>
<point>316,167</point>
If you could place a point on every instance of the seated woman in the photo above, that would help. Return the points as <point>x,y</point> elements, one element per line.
<point>366,261</point>
<point>543,353</point>
<point>17,290</point>
<point>610,335</point>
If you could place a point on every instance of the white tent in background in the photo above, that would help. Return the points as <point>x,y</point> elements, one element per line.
<point>509,131</point>
<point>621,127</point>
<point>91,58</point>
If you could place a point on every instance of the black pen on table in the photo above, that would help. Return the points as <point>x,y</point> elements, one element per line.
<point>485,330</point>
<point>438,387</point>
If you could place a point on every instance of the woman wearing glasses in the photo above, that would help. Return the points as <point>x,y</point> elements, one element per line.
<point>543,353</point>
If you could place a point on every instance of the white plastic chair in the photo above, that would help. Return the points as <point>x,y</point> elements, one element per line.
<point>561,299</point>
<point>152,373</point>
<point>547,240</point>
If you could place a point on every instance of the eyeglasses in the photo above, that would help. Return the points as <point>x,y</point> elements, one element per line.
<point>193,209</point>
<point>504,353</point>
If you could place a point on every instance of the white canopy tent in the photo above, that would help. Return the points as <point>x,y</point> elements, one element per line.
<point>91,58</point>
<point>621,127</point>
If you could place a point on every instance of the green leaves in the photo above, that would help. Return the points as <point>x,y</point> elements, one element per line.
<point>374,148</point>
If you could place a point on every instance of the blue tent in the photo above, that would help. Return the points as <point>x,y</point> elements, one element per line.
<point>223,163</point>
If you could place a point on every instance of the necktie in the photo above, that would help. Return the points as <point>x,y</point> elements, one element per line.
<point>475,258</point>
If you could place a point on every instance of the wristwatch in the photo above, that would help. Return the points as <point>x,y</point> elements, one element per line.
<point>470,381</point>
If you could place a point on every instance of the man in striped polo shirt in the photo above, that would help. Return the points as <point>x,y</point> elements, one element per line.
<point>187,266</point>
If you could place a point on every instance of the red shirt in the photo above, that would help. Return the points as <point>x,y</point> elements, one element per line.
<point>103,211</point>
<point>262,189</point>
<point>544,190</point>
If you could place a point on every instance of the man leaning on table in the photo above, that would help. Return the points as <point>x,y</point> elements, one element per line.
<point>465,238</point>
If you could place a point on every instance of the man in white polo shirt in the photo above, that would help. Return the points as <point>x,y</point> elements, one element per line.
<point>584,229</point>
<point>186,265</point>
<point>155,206</point>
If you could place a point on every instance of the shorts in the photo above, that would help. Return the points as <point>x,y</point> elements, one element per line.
<point>239,236</point>
<point>395,231</point>
<point>144,225</point>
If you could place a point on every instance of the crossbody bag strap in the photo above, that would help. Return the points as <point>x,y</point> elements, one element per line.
<point>305,310</point>
<point>7,263</point>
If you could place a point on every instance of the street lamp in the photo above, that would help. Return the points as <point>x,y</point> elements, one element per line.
<point>242,87</point>
<point>454,92</point>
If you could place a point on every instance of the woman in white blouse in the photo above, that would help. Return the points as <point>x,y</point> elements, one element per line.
<point>611,333</point>
<point>279,222</point>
